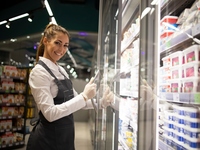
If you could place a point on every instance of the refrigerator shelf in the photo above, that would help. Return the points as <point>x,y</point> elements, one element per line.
<point>123,143</point>
<point>164,146</point>
<point>129,40</point>
<point>188,98</point>
<point>169,7</point>
<point>166,143</point>
<point>180,41</point>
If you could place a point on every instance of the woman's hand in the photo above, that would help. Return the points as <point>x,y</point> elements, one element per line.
<point>89,90</point>
<point>108,97</point>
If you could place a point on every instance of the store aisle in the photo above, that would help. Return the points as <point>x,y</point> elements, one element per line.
<point>83,138</point>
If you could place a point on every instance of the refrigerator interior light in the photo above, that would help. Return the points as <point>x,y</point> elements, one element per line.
<point>145,12</point>
<point>155,2</point>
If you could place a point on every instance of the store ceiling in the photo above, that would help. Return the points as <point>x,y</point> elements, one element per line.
<point>79,17</point>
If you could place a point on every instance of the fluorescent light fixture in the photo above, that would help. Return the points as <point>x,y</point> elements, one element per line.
<point>18,17</point>
<point>48,8</point>
<point>3,22</point>
<point>8,25</point>
<point>53,20</point>
<point>30,18</point>
<point>13,40</point>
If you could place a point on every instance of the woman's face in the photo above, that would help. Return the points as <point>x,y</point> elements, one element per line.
<point>56,47</point>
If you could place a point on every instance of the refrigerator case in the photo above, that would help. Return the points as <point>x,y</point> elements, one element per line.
<point>157,96</point>
<point>178,86</point>
<point>127,58</point>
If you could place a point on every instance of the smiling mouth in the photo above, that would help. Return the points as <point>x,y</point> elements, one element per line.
<point>59,54</point>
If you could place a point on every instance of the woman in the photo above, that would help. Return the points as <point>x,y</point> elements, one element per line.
<point>54,94</point>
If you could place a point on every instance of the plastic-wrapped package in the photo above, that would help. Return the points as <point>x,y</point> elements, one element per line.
<point>182,18</point>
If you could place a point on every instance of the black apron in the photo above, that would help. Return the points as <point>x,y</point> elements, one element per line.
<point>59,134</point>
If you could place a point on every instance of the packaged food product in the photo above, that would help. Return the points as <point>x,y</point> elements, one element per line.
<point>170,19</point>
<point>192,70</point>
<point>192,54</point>
<point>177,58</point>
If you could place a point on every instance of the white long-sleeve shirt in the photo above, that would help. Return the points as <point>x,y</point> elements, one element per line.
<point>44,89</point>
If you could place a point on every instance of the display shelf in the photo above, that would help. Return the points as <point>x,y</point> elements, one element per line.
<point>170,7</point>
<point>13,103</point>
<point>164,146</point>
<point>128,42</point>
<point>129,123</point>
<point>168,144</point>
<point>129,13</point>
<point>12,146</point>
<point>180,42</point>
<point>123,143</point>
<point>188,98</point>
<point>14,129</point>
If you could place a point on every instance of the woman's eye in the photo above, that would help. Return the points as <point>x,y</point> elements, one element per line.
<point>66,46</point>
<point>58,43</point>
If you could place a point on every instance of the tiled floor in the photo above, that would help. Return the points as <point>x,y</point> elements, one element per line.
<point>82,139</point>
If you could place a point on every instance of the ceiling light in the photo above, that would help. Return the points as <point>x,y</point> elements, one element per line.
<point>8,25</point>
<point>13,40</point>
<point>30,18</point>
<point>3,22</point>
<point>48,8</point>
<point>52,20</point>
<point>18,17</point>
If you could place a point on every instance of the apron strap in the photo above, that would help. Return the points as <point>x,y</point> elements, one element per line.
<point>47,68</point>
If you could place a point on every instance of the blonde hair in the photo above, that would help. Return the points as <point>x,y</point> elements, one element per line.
<point>49,32</point>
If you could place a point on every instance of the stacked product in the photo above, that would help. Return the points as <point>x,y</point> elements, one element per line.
<point>182,127</point>
<point>180,72</point>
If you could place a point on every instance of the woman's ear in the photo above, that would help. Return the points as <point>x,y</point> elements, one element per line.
<point>45,40</point>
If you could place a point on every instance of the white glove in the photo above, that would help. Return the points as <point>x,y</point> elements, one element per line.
<point>148,96</point>
<point>89,90</point>
<point>108,98</point>
<point>147,92</point>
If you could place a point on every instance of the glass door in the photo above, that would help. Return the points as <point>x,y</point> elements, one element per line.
<point>107,62</point>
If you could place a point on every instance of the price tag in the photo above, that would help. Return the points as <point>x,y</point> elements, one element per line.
<point>168,44</point>
<point>176,97</point>
<point>162,95</point>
